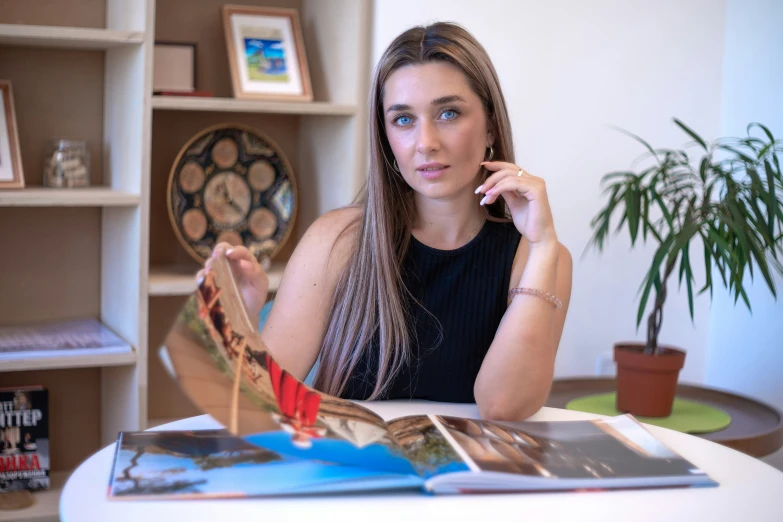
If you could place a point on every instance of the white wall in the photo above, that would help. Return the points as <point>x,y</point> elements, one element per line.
<point>569,68</point>
<point>746,351</point>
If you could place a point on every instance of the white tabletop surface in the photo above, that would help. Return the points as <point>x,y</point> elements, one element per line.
<point>749,490</point>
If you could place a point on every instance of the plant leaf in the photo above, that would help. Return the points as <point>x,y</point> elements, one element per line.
<point>760,222</point>
<point>707,268</point>
<point>753,143</point>
<point>734,220</point>
<point>719,240</point>
<point>771,200</point>
<point>705,163</point>
<point>745,157</point>
<point>640,140</point>
<point>766,148</point>
<point>665,211</point>
<point>763,265</point>
<point>632,211</point>
<point>685,260</point>
<point>741,291</point>
<point>721,253</point>
<point>756,182</point>
<point>692,134</point>
<point>763,128</point>
<point>618,174</point>
<point>623,219</point>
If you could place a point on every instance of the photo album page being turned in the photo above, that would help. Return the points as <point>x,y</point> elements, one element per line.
<point>282,437</point>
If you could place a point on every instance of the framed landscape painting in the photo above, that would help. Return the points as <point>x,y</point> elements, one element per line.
<point>266,53</point>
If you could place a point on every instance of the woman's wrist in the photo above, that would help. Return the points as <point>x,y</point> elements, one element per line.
<point>545,249</point>
<point>541,266</point>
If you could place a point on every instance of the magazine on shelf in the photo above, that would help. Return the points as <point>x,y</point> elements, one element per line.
<point>283,437</point>
<point>71,337</point>
<point>24,438</point>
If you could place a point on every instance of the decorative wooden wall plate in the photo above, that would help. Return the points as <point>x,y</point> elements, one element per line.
<point>231,183</point>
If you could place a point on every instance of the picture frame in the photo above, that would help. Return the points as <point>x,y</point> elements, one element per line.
<point>11,175</point>
<point>174,67</point>
<point>266,53</point>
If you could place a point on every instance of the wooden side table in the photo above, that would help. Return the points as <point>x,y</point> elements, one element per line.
<point>756,428</point>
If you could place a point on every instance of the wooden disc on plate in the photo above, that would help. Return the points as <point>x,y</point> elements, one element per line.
<point>16,500</point>
<point>261,175</point>
<point>225,153</point>
<point>194,224</point>
<point>191,177</point>
<point>230,237</point>
<point>262,223</point>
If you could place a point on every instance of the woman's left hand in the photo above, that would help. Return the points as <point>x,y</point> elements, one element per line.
<point>526,198</point>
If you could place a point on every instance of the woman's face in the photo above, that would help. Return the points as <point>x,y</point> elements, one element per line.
<point>437,128</point>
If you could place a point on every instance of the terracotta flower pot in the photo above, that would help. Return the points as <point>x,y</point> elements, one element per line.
<point>646,384</point>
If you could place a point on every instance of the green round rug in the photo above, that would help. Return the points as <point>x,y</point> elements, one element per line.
<point>687,416</point>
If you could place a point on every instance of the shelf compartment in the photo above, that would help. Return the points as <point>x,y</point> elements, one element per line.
<point>181,280</point>
<point>67,37</point>
<point>50,350</point>
<point>68,197</point>
<point>196,103</point>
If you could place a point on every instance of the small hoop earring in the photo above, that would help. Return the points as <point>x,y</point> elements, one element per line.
<point>491,153</point>
<point>395,166</point>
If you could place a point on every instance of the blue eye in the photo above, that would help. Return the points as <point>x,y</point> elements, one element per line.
<point>402,120</point>
<point>449,114</point>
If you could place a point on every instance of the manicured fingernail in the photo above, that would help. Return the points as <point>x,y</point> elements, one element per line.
<point>483,200</point>
<point>228,252</point>
<point>479,189</point>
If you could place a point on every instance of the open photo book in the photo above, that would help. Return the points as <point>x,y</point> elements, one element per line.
<point>282,437</point>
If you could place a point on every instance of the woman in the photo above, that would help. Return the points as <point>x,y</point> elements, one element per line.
<point>412,293</point>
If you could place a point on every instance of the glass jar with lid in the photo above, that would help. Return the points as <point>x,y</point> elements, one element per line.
<point>67,164</point>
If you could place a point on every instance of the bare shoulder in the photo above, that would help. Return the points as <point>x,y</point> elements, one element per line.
<point>334,232</point>
<point>335,223</point>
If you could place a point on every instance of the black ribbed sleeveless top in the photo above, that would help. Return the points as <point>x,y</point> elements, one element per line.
<point>465,292</point>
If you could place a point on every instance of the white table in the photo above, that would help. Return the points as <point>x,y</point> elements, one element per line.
<point>749,490</point>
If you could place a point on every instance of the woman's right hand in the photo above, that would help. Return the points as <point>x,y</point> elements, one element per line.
<point>251,279</point>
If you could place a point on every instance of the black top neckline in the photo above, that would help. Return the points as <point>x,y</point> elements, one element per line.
<point>464,248</point>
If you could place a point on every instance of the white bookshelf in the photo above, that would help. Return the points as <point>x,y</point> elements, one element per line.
<point>109,251</point>
<point>47,503</point>
<point>67,37</point>
<point>77,197</point>
<point>78,72</point>
<point>181,280</point>
<point>187,103</point>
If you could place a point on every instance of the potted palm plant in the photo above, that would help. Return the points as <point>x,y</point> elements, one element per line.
<point>727,196</point>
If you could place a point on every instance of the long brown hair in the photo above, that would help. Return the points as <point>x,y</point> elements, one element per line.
<point>369,299</point>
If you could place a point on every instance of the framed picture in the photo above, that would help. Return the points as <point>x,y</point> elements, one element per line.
<point>266,53</point>
<point>174,68</point>
<point>10,156</point>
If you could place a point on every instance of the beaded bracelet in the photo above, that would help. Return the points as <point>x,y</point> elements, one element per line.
<point>538,293</point>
